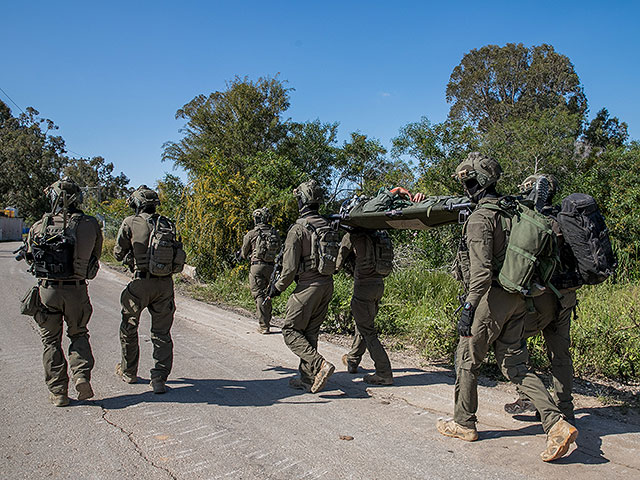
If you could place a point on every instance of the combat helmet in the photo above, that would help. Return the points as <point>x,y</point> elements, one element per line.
<point>261,215</point>
<point>66,191</point>
<point>309,193</point>
<point>142,198</point>
<point>477,173</point>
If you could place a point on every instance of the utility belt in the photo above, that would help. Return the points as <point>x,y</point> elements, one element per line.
<point>260,262</point>
<point>43,282</point>
<point>147,275</point>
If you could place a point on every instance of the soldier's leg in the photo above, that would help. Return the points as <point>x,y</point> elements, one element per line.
<point>294,332</point>
<point>358,346</point>
<point>77,312</point>
<point>49,320</point>
<point>319,306</point>
<point>259,284</point>
<point>512,357</point>
<point>162,308</point>
<point>364,306</point>
<point>133,302</point>
<point>558,339</point>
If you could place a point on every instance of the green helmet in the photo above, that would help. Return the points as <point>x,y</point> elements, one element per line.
<point>531,181</point>
<point>143,197</point>
<point>261,215</point>
<point>65,190</point>
<point>309,193</point>
<point>485,170</point>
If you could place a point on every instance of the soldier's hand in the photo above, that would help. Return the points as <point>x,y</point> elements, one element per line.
<point>238,256</point>
<point>273,292</point>
<point>466,320</point>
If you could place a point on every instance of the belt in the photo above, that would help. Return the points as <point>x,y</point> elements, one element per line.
<point>146,275</point>
<point>59,283</point>
<point>259,262</point>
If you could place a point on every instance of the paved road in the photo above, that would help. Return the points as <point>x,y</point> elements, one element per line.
<point>230,414</point>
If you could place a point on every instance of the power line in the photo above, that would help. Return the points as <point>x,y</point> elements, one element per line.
<point>11,100</point>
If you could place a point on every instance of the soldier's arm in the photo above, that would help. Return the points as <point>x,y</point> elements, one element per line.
<point>346,248</point>
<point>123,241</point>
<point>246,245</point>
<point>480,244</point>
<point>97,248</point>
<point>290,258</point>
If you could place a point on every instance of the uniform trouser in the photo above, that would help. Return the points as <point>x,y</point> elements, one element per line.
<point>553,318</point>
<point>259,276</point>
<point>71,304</point>
<point>156,294</point>
<point>498,321</point>
<point>306,310</point>
<point>364,308</point>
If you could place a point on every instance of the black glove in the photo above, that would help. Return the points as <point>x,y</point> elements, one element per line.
<point>273,292</point>
<point>466,320</point>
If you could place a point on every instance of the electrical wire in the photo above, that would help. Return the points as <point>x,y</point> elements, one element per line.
<point>11,99</point>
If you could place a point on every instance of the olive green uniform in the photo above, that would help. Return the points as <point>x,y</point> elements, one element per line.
<point>498,320</point>
<point>368,288</point>
<point>308,304</point>
<point>67,299</point>
<point>144,291</point>
<point>259,274</point>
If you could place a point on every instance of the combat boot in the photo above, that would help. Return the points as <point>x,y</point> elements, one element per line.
<point>299,384</point>
<point>59,399</point>
<point>375,379</point>
<point>521,405</point>
<point>559,438</point>
<point>158,385</point>
<point>323,375</point>
<point>125,376</point>
<point>263,330</point>
<point>83,387</point>
<point>352,367</point>
<point>452,429</point>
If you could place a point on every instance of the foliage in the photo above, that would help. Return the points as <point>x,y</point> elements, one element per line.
<point>95,176</point>
<point>170,192</point>
<point>30,161</point>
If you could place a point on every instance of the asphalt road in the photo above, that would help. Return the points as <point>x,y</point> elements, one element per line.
<point>230,413</point>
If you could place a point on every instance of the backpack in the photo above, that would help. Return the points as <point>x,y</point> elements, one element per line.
<point>382,250</point>
<point>584,229</point>
<point>166,255</point>
<point>267,244</point>
<point>325,243</point>
<point>532,252</point>
<point>53,248</point>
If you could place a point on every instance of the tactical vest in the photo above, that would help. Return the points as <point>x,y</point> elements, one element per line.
<point>325,244</point>
<point>165,253</point>
<point>53,247</point>
<point>380,252</point>
<point>267,244</point>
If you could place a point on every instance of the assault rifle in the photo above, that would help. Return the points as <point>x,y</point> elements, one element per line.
<point>275,275</point>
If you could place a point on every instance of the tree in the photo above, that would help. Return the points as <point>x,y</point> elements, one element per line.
<point>30,160</point>
<point>604,131</point>
<point>170,191</point>
<point>494,83</point>
<point>235,124</point>
<point>95,176</point>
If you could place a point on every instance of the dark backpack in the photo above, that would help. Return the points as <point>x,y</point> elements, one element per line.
<point>325,243</point>
<point>267,244</point>
<point>584,229</point>
<point>53,248</point>
<point>166,255</point>
<point>382,252</point>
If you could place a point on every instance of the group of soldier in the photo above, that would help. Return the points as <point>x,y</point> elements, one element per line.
<point>490,316</point>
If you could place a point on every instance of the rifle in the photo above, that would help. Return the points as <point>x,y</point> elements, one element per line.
<point>275,275</point>
<point>464,210</point>
<point>21,252</point>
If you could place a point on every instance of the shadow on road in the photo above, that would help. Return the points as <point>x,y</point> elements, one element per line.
<point>593,424</point>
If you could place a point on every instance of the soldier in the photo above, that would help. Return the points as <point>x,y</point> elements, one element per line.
<point>552,315</point>
<point>260,245</point>
<point>64,248</point>
<point>135,247</point>
<point>368,256</point>
<point>491,316</point>
<point>310,251</point>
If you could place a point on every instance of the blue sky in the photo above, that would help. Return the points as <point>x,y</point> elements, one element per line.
<point>113,75</point>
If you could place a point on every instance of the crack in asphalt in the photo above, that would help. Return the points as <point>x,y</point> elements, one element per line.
<point>137,447</point>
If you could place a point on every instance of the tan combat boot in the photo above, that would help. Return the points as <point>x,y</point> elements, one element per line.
<point>59,399</point>
<point>450,428</point>
<point>375,379</point>
<point>83,387</point>
<point>323,375</point>
<point>559,438</point>
<point>352,367</point>
<point>126,378</point>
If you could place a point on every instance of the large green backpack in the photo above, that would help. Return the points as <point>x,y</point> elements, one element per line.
<point>166,255</point>
<point>532,251</point>
<point>325,243</point>
<point>267,244</point>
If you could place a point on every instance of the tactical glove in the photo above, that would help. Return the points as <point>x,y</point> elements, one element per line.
<point>466,320</point>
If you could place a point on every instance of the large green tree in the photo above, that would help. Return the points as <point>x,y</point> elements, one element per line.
<point>96,177</point>
<point>30,160</point>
